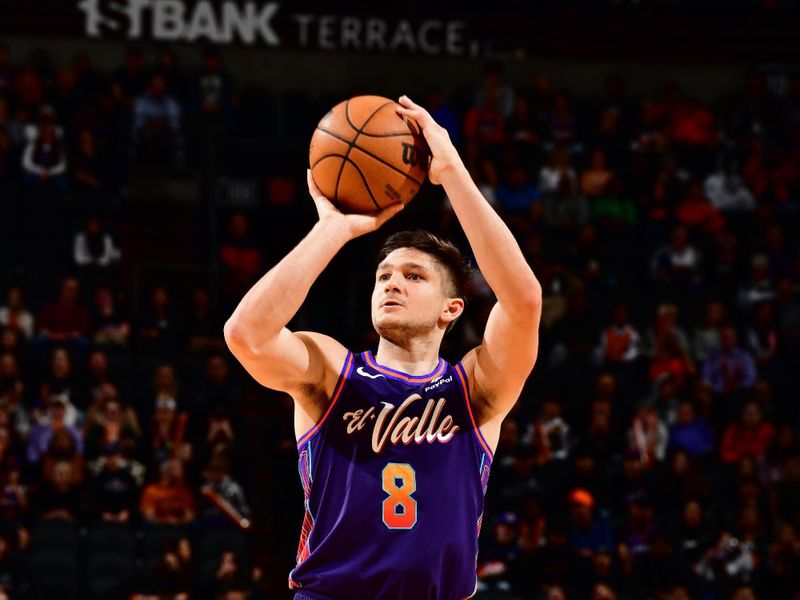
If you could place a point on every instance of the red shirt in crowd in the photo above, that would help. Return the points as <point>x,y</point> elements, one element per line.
<point>739,441</point>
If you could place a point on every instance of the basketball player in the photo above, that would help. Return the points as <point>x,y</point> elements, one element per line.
<point>395,447</point>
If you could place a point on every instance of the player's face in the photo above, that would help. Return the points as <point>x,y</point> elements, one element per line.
<point>409,297</point>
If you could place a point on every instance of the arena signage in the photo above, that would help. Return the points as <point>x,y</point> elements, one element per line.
<point>252,22</point>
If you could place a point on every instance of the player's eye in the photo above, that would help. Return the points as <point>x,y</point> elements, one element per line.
<point>383,277</point>
<point>413,276</point>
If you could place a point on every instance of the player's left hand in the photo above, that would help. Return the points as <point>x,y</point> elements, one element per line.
<point>444,155</point>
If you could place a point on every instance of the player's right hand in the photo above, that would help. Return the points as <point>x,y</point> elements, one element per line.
<point>351,225</point>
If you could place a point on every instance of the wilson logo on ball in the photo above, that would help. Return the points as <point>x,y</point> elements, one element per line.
<point>411,154</point>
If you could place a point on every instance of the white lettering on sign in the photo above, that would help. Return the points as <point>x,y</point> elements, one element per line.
<point>251,21</point>
<point>176,20</point>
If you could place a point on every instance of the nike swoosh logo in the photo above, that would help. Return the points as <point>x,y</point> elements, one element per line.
<point>361,371</point>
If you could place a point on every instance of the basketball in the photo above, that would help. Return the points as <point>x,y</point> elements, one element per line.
<point>365,157</point>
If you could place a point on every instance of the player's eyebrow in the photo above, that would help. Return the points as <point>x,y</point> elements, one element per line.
<point>407,265</point>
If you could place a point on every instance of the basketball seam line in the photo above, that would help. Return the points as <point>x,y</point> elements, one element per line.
<point>353,143</point>
<point>370,154</point>
<point>377,135</point>
<point>356,167</point>
<point>344,162</point>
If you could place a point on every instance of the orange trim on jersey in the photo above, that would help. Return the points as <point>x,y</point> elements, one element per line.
<point>462,379</point>
<point>405,376</point>
<point>348,364</point>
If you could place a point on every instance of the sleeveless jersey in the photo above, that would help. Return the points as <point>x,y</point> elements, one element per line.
<point>394,476</point>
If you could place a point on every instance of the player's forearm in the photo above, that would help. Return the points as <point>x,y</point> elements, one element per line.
<point>499,256</point>
<point>272,302</point>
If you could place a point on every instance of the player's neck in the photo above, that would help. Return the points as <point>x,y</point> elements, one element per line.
<point>417,357</point>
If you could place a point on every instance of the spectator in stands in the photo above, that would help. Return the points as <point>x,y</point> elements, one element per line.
<point>45,430</point>
<point>727,190</point>
<point>760,287</point>
<point>64,320</point>
<point>44,160</point>
<point>218,483</point>
<point>203,324</point>
<point>561,126</point>
<point>157,124</point>
<point>63,448</point>
<point>648,436</point>
<point>12,389</point>
<point>115,425</point>
<point>558,166</point>
<point>522,130</point>
<point>695,533</point>
<point>494,84</point>
<point>14,501</point>
<point>690,433</point>
<point>762,338</point>
<point>111,328</point>
<point>673,360</point>
<point>697,214</point>
<point>169,501</point>
<point>217,388</point>
<point>14,314</point>
<point>751,436</point>
<point>168,433</point>
<point>130,79</point>
<point>597,178</point>
<point>641,527</point>
<point>115,489</point>
<point>160,328</point>
<point>550,433</point>
<point>590,530</point>
<point>93,250</point>
<point>500,554</point>
<point>60,496</point>
<point>730,369</point>
<point>677,266</point>
<point>213,89</point>
<point>175,78</point>
<point>485,123</point>
<point>86,166</point>
<point>771,173</point>
<point>520,200</point>
<point>707,336</point>
<point>172,575</point>
<point>98,377</point>
<point>61,378</point>
<point>229,576</point>
<point>620,342</point>
<point>240,256</point>
<point>565,207</point>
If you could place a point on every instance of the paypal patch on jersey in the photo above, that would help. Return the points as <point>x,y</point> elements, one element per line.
<point>394,476</point>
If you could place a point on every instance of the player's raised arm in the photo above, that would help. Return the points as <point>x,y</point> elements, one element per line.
<point>499,366</point>
<point>304,364</point>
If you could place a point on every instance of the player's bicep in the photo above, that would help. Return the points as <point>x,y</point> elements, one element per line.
<point>292,361</point>
<point>505,358</point>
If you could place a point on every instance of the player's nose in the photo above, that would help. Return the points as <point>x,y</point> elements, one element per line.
<point>393,283</point>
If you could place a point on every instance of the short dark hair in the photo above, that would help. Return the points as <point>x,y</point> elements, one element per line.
<point>445,253</point>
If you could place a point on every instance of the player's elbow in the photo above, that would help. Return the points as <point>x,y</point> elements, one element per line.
<point>529,299</point>
<point>234,335</point>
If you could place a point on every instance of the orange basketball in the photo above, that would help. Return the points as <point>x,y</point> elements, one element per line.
<point>364,156</point>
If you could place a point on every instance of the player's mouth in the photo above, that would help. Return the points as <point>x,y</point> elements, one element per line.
<point>390,303</point>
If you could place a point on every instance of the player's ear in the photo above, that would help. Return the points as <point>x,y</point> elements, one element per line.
<point>453,309</point>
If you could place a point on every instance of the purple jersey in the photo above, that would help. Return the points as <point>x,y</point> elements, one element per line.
<point>394,476</point>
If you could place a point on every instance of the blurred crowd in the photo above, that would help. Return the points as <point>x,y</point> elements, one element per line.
<point>653,453</point>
